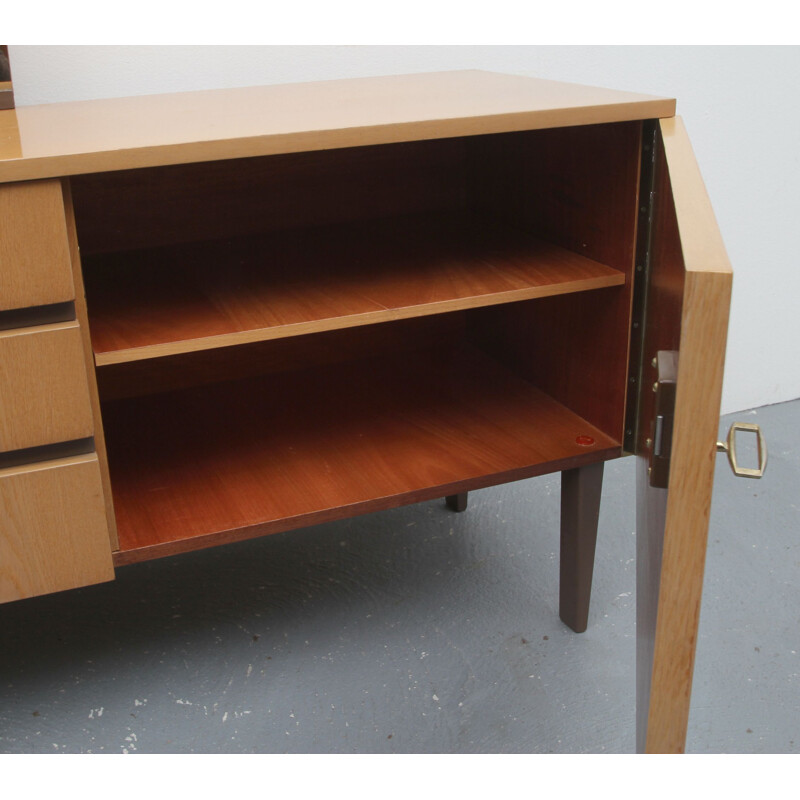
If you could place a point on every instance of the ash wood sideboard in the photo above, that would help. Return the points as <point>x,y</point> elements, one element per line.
<point>230,313</point>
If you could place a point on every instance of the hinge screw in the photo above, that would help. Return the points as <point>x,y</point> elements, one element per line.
<point>648,443</point>
<point>655,386</point>
<point>654,363</point>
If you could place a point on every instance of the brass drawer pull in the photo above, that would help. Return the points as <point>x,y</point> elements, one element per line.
<point>729,447</point>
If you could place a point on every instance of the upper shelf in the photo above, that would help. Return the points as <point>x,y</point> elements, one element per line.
<point>154,130</point>
<point>205,295</point>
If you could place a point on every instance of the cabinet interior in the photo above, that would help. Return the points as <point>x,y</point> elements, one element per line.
<point>290,339</point>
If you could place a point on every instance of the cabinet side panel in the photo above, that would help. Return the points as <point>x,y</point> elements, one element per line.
<point>578,188</point>
<point>82,315</point>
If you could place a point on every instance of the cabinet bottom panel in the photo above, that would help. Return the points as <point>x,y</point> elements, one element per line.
<point>221,463</point>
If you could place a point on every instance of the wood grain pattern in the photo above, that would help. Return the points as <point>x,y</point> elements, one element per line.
<point>549,183</point>
<point>10,145</point>
<point>54,533</point>
<point>128,133</point>
<point>204,367</point>
<point>704,321</point>
<point>227,462</point>
<point>201,296</point>
<point>88,358</point>
<point>148,208</point>
<point>44,396</point>
<point>34,257</point>
<point>667,275</point>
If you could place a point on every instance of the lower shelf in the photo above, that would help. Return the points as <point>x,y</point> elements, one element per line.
<point>217,464</point>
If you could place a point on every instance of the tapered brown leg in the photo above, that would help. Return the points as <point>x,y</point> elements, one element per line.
<point>580,511</point>
<point>457,502</point>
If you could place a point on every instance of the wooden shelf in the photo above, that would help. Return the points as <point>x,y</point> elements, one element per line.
<point>205,295</point>
<point>221,463</point>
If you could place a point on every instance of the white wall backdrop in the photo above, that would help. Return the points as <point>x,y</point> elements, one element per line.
<point>739,104</point>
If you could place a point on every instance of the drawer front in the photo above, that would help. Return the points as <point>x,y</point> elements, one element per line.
<point>54,533</point>
<point>35,267</point>
<point>44,392</point>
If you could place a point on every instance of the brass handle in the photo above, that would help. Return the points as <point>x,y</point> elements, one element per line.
<point>729,447</point>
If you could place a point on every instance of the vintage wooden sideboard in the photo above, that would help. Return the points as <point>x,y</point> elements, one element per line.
<point>229,313</point>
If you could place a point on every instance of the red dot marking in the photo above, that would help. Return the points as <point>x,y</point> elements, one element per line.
<point>584,441</point>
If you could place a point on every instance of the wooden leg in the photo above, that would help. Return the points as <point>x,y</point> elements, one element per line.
<point>580,510</point>
<point>651,514</point>
<point>457,502</point>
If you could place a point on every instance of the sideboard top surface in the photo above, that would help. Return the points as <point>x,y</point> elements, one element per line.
<point>154,130</point>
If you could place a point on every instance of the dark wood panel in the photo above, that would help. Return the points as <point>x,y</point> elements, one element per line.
<point>577,188</point>
<point>133,209</point>
<point>198,296</point>
<point>665,287</point>
<point>155,375</point>
<point>581,491</point>
<point>567,345</point>
<point>226,462</point>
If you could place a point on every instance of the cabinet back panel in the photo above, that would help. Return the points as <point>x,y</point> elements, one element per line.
<point>153,376</point>
<point>574,187</point>
<point>145,208</point>
<point>571,346</point>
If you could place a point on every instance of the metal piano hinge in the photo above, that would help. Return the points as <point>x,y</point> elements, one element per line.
<point>641,278</point>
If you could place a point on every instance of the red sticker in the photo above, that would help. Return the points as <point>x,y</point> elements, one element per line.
<point>584,441</point>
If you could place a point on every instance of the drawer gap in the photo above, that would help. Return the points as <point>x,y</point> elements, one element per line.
<point>47,452</point>
<point>37,315</point>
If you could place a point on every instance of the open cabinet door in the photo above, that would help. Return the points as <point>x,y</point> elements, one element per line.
<point>686,305</point>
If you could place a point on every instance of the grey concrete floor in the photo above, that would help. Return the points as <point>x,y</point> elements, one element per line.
<point>415,631</point>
